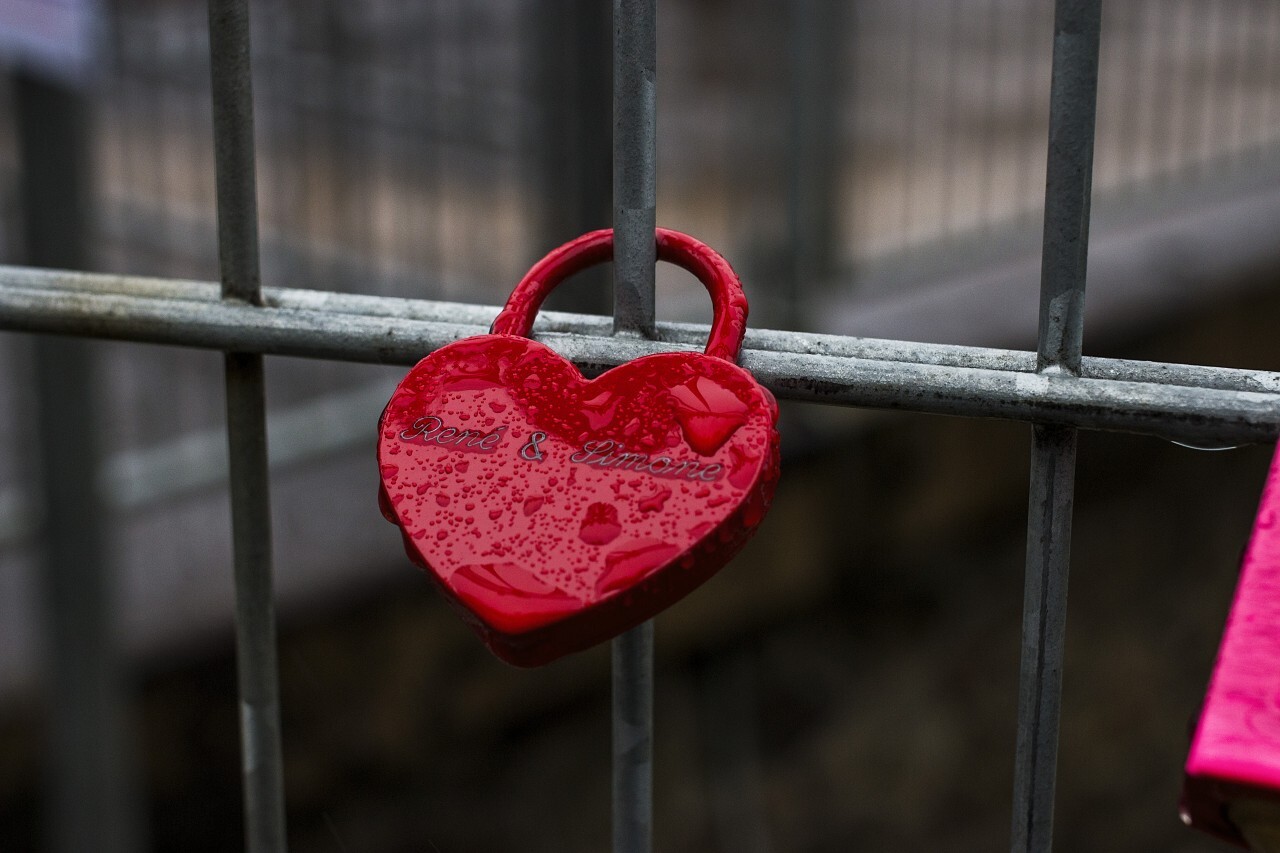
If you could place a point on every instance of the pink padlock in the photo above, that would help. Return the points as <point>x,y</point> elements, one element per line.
<point>1232,786</point>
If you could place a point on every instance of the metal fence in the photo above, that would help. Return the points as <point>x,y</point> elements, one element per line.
<point>877,143</point>
<point>1054,388</point>
<point>880,150</point>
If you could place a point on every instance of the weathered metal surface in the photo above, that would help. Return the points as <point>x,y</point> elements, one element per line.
<point>262,766</point>
<point>635,156</point>
<point>1180,402</point>
<point>1073,98</point>
<point>635,198</point>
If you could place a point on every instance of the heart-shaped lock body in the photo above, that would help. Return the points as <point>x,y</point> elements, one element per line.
<point>555,511</point>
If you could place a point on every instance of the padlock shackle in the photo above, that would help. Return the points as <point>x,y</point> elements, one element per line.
<point>729,303</point>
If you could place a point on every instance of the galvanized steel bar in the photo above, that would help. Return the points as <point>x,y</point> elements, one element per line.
<point>262,765</point>
<point>635,155</point>
<point>68,302</point>
<point>1044,617</point>
<point>571,54</point>
<point>236,175</point>
<point>1190,403</point>
<point>1068,183</point>
<point>635,59</point>
<point>632,655</point>
<point>1068,188</point>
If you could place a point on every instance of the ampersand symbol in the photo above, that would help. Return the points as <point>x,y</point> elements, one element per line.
<point>532,451</point>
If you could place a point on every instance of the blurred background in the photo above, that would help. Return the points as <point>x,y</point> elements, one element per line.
<point>872,168</point>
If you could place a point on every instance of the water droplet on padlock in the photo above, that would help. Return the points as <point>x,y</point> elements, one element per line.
<point>600,524</point>
<point>654,502</point>
<point>741,467</point>
<point>708,413</point>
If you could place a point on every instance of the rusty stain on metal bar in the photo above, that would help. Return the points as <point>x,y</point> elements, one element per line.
<point>1068,188</point>
<point>261,762</point>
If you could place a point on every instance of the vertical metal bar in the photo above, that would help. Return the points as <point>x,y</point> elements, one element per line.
<point>1068,183</point>
<point>817,33</point>
<point>633,741</point>
<point>233,150</point>
<point>1271,47</point>
<point>1029,38</point>
<point>635,155</point>
<point>255,616</point>
<point>1044,607</point>
<point>950,122</point>
<point>635,49</point>
<point>1068,187</point>
<point>92,790</point>
<point>246,431</point>
<point>909,107</point>
<point>572,61</point>
<point>994,49</point>
<point>1181,110</point>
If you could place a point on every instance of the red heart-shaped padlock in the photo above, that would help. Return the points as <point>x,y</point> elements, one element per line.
<point>556,511</point>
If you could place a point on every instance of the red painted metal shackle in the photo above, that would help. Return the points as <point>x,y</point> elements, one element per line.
<point>729,303</point>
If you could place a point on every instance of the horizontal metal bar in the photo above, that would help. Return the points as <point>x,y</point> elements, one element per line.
<point>1206,405</point>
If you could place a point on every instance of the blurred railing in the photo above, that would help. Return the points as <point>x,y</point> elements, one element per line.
<point>431,150</point>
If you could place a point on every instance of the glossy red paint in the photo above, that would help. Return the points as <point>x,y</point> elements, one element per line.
<point>556,512</point>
